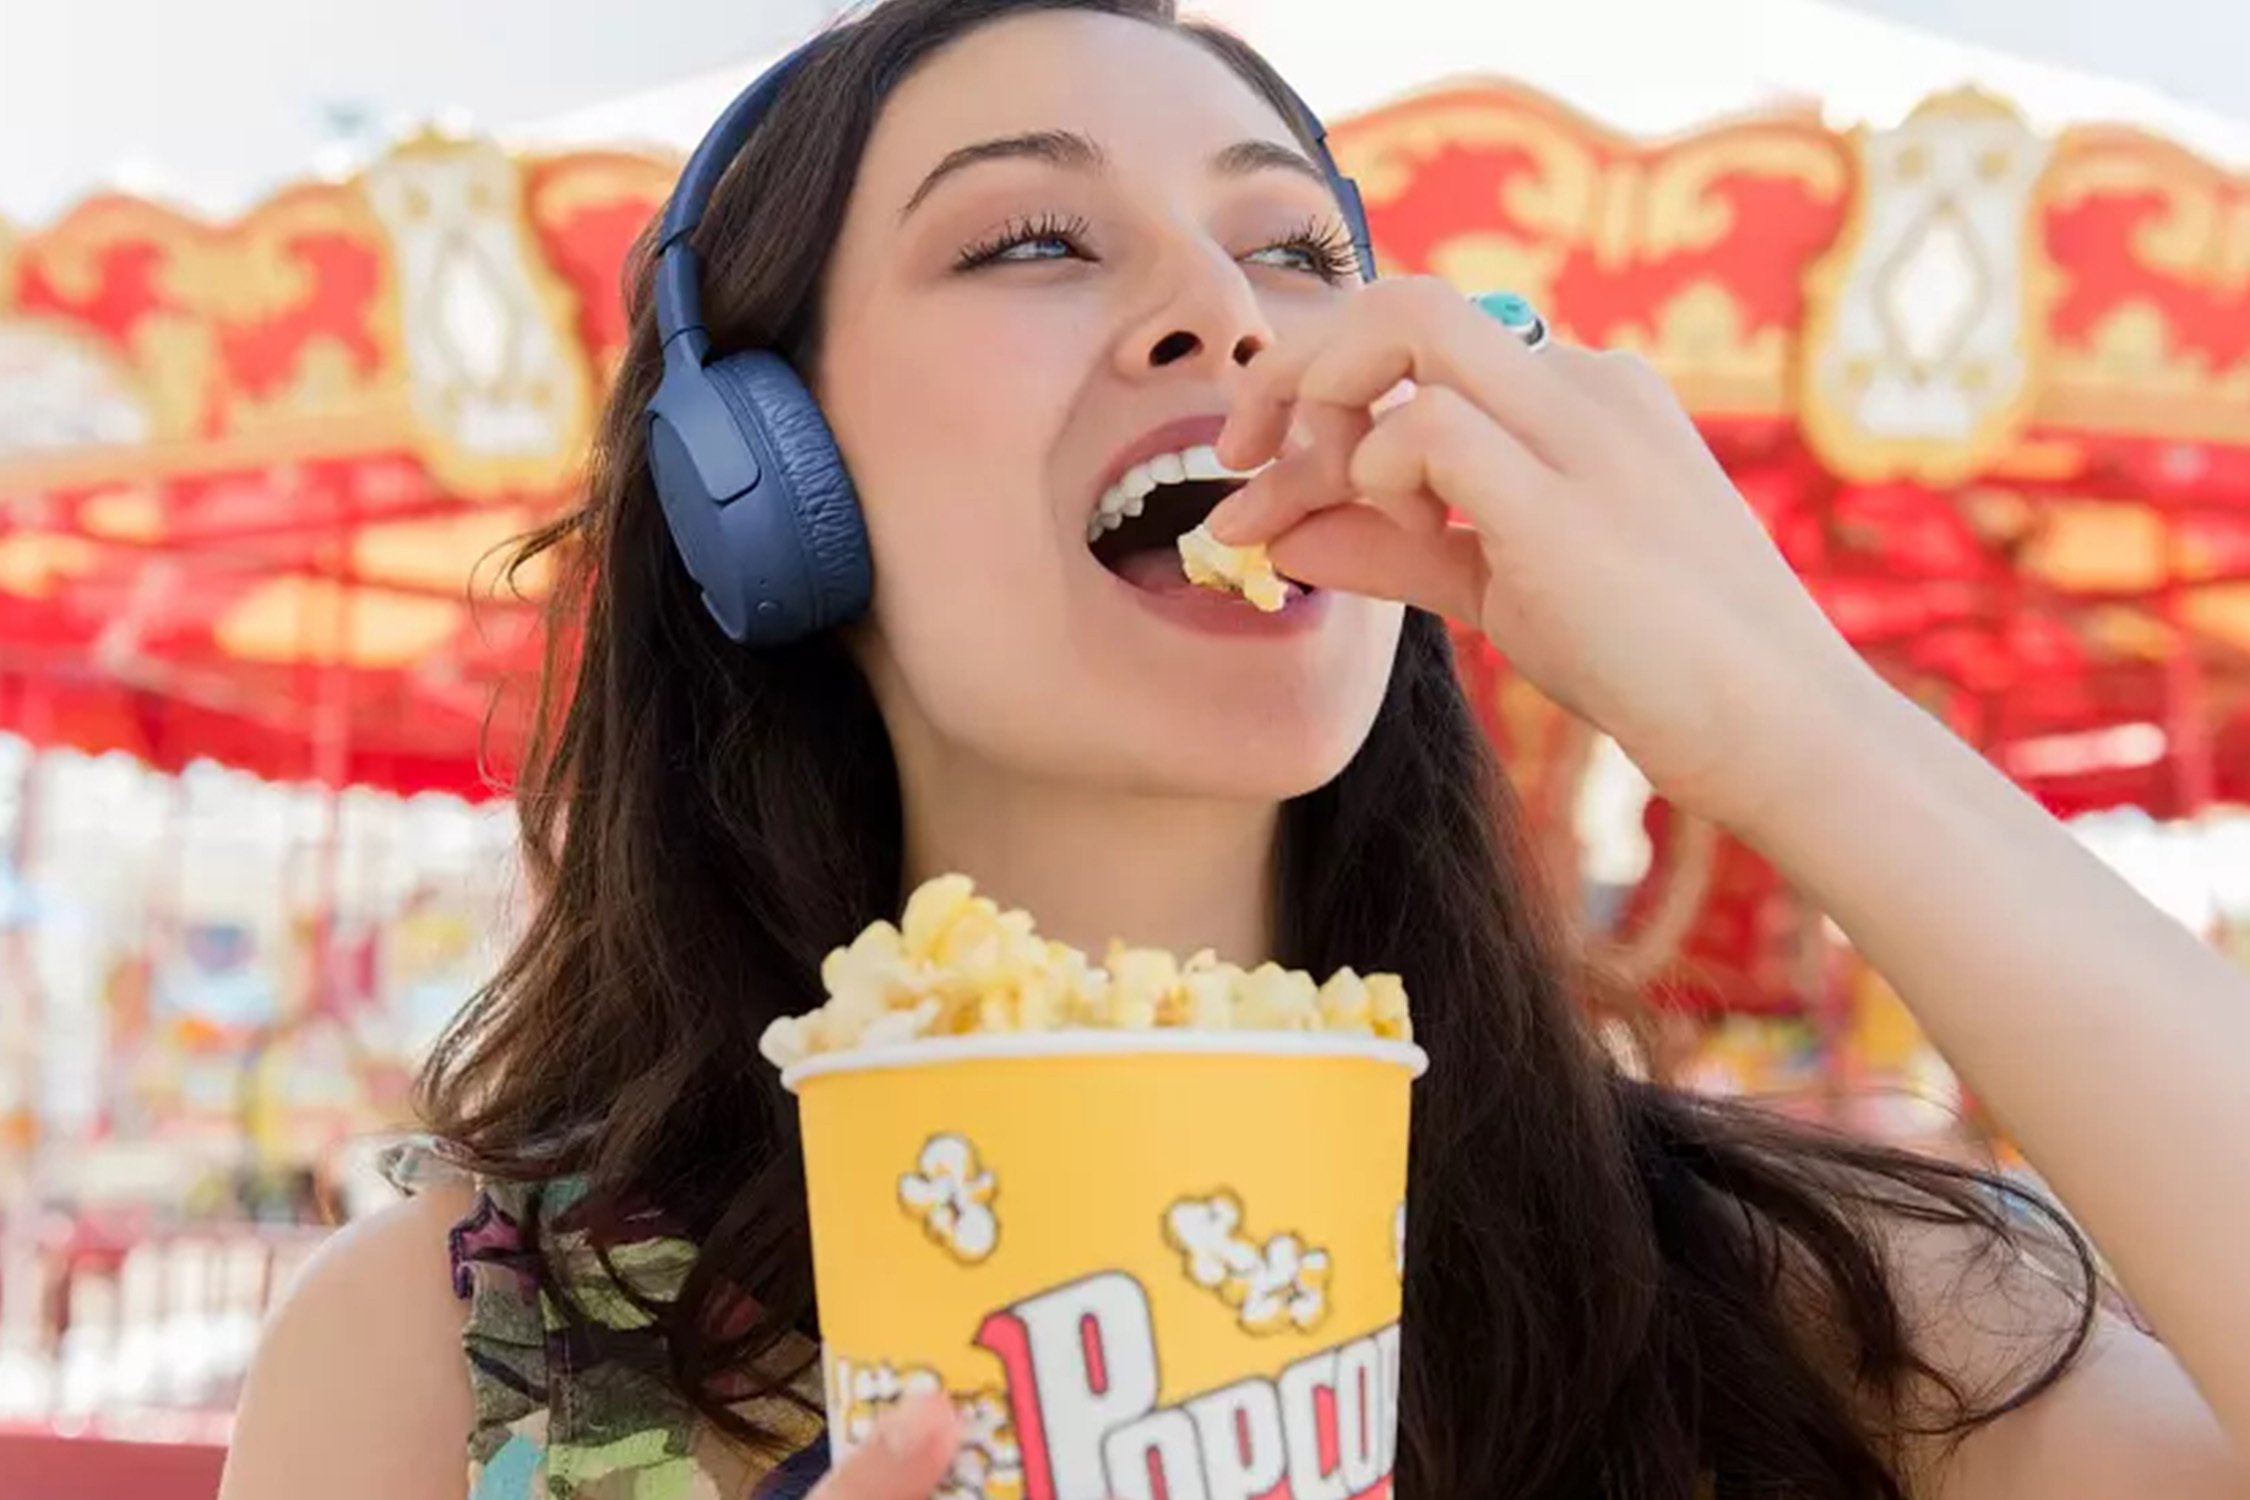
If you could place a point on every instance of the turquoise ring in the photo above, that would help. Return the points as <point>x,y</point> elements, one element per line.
<point>1517,315</point>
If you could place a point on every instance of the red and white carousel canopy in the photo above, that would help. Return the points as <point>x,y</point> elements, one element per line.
<point>1990,388</point>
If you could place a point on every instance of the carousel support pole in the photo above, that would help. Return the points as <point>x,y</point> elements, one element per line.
<point>328,878</point>
<point>164,911</point>
<point>1569,754</point>
<point>22,1178</point>
<point>332,768</point>
<point>1827,1004</point>
<point>23,1184</point>
<point>2187,725</point>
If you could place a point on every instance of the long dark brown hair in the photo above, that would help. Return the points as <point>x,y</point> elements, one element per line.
<point>1616,1289</point>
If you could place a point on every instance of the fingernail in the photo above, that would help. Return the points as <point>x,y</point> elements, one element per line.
<point>1223,513</point>
<point>905,1430</point>
<point>1398,395</point>
<point>1225,443</point>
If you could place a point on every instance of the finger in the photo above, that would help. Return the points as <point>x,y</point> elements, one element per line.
<point>1331,433</point>
<point>1297,486</point>
<point>1279,497</point>
<point>1359,550</point>
<point>1316,472</point>
<point>1419,330</point>
<point>1617,378</point>
<point>1459,349</point>
<point>909,1451</point>
<point>1439,447</point>
<point>1309,473</point>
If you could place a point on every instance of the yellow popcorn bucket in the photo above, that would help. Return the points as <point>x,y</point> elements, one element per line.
<point>1146,1265</point>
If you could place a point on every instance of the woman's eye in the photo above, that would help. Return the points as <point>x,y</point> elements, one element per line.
<point>1290,258</point>
<point>1026,242</point>
<point>1046,247</point>
<point>1323,250</point>
<point>1315,250</point>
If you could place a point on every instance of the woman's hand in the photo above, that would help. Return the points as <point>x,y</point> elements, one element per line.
<point>906,1455</point>
<point>1560,500</point>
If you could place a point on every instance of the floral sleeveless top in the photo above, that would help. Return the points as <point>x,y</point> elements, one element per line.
<point>557,1416</point>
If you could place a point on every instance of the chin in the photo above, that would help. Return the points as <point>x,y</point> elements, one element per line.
<point>1263,720</point>
<point>1257,747</point>
<point>1266,778</point>
<point>1102,694</point>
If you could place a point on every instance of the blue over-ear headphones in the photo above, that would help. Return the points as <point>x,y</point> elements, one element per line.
<point>753,487</point>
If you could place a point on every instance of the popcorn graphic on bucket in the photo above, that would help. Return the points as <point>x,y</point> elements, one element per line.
<point>1142,1219</point>
<point>1269,1286</point>
<point>953,1198</point>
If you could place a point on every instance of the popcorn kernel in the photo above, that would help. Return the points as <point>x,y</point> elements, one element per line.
<point>958,965</point>
<point>1248,571</point>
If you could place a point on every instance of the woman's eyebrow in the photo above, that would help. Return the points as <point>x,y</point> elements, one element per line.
<point>1245,157</point>
<point>1080,153</point>
<point>1060,148</point>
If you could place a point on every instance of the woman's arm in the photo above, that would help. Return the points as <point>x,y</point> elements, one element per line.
<point>1563,502</point>
<point>360,1390</point>
<point>2113,1046</point>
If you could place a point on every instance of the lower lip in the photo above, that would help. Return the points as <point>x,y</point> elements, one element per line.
<point>1214,612</point>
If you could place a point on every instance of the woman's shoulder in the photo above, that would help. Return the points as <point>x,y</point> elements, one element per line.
<point>359,1377</point>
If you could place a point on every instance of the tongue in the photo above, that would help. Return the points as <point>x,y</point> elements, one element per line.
<point>1156,569</point>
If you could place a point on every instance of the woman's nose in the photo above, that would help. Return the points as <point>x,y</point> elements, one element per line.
<point>1202,311</point>
<point>1184,343</point>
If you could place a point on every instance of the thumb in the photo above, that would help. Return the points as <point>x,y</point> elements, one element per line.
<point>1360,550</point>
<point>904,1457</point>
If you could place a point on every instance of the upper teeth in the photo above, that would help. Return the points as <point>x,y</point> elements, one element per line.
<point>1130,494</point>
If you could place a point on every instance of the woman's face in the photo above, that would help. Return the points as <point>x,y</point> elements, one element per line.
<point>1069,233</point>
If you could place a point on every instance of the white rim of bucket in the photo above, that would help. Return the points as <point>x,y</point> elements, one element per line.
<point>1160,1042</point>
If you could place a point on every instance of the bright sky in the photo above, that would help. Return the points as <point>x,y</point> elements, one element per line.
<point>214,102</point>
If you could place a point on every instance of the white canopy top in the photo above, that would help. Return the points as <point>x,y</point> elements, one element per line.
<point>1650,67</point>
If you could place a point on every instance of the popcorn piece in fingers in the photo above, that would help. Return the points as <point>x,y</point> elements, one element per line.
<point>1248,571</point>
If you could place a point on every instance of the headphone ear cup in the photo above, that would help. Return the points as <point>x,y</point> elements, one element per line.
<point>821,574</point>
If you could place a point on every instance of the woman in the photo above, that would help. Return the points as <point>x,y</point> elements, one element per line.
<point>1616,1290</point>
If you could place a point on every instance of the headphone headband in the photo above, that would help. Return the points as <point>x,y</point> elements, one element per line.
<point>1346,190</point>
<point>679,297</point>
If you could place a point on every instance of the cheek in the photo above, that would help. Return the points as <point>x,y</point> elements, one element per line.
<point>1323,708</point>
<point>947,430</point>
<point>950,393</point>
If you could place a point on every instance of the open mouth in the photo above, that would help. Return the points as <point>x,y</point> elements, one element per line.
<point>1137,525</point>
<point>1145,533</point>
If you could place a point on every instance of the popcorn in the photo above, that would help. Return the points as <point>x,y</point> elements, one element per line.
<point>952,1196</point>
<point>1248,571</point>
<point>1271,998</point>
<point>958,965</point>
<point>1283,1283</point>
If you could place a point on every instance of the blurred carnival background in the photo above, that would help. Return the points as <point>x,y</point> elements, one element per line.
<point>287,349</point>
